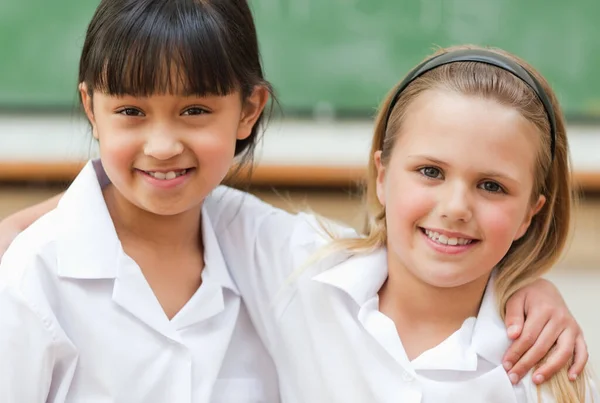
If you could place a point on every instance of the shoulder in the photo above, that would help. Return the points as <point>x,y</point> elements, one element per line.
<point>30,284</point>
<point>238,212</point>
<point>31,249</point>
<point>225,204</point>
<point>26,311</point>
<point>29,265</point>
<point>266,248</point>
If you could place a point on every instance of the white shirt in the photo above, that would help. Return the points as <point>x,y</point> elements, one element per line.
<point>79,322</point>
<point>322,324</point>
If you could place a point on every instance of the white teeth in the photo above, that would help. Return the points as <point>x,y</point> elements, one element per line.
<point>166,175</point>
<point>444,240</point>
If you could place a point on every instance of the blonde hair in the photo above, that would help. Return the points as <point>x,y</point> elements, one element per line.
<point>540,248</point>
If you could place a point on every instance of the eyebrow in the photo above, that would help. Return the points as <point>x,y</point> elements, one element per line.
<point>488,174</point>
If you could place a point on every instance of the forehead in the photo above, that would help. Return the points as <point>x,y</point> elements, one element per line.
<point>470,132</point>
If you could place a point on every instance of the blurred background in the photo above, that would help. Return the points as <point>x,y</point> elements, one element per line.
<point>331,62</point>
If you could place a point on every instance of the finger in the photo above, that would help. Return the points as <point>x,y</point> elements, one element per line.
<point>533,355</point>
<point>515,315</point>
<point>557,359</point>
<point>581,357</point>
<point>532,329</point>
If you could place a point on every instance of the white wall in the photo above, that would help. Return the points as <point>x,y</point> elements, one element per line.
<point>290,142</point>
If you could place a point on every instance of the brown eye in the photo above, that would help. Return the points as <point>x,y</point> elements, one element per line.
<point>131,112</point>
<point>194,111</point>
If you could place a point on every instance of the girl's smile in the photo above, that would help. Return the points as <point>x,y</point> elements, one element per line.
<point>167,179</point>
<point>448,242</point>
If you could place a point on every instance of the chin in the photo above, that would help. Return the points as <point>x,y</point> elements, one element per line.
<point>454,279</point>
<point>166,212</point>
<point>446,278</point>
<point>164,209</point>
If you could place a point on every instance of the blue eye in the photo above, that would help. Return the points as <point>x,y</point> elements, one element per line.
<point>194,111</point>
<point>431,172</point>
<point>492,187</point>
<point>130,112</point>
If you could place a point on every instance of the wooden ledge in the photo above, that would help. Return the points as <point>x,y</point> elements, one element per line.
<point>265,175</point>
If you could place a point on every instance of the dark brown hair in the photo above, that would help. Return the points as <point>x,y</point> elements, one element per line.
<point>190,47</point>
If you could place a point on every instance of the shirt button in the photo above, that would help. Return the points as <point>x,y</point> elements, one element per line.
<point>407,377</point>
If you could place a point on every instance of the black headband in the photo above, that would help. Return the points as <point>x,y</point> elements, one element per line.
<point>481,56</point>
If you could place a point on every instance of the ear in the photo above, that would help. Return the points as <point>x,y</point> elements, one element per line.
<point>530,214</point>
<point>380,180</point>
<point>86,101</point>
<point>251,110</point>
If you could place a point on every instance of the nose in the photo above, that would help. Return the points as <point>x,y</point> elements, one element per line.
<point>456,203</point>
<point>162,144</point>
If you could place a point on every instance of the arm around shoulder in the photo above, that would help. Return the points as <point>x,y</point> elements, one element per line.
<point>264,245</point>
<point>256,238</point>
<point>12,225</point>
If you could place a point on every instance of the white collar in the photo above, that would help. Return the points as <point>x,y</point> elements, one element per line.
<point>490,339</point>
<point>362,276</point>
<point>484,336</point>
<point>85,220</point>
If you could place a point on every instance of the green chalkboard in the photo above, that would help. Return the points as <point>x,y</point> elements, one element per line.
<point>40,43</point>
<point>330,55</point>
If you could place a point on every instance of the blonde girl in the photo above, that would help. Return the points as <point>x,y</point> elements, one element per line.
<point>469,200</point>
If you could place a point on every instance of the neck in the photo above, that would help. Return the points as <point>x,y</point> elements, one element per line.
<point>172,233</point>
<point>426,315</point>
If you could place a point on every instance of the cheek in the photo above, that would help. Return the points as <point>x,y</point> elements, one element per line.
<point>118,146</point>
<point>214,152</point>
<point>409,201</point>
<point>501,221</point>
<point>213,145</point>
